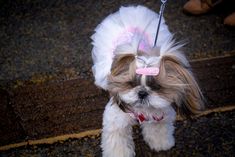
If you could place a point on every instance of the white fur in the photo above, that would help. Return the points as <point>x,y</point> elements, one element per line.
<point>155,100</point>
<point>158,136</point>
<point>117,138</point>
<point>108,32</point>
<point>112,37</point>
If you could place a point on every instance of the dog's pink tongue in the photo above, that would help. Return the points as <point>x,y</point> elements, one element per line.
<point>153,71</point>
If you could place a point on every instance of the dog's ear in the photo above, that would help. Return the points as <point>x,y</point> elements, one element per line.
<point>121,64</point>
<point>122,70</point>
<point>189,100</point>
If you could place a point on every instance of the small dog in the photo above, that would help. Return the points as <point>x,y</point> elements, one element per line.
<point>147,84</point>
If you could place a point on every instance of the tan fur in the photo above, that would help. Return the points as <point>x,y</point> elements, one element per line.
<point>122,70</point>
<point>121,64</point>
<point>176,82</point>
<point>175,76</point>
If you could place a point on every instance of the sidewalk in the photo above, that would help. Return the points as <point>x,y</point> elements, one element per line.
<point>46,83</point>
<point>43,40</point>
<point>207,136</point>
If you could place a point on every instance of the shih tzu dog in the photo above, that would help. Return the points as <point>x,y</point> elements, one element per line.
<point>147,84</point>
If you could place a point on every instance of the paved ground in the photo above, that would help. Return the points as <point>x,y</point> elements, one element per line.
<point>45,48</point>
<point>41,39</point>
<point>34,111</point>
<point>207,136</point>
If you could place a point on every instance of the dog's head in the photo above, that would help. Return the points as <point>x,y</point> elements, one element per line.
<point>174,84</point>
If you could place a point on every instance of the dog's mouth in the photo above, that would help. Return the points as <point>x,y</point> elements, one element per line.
<point>138,99</point>
<point>139,104</point>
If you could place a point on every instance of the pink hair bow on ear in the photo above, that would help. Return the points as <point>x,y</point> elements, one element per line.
<point>150,71</point>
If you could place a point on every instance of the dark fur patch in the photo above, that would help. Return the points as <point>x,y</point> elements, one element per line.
<point>152,83</point>
<point>136,81</point>
<point>121,104</point>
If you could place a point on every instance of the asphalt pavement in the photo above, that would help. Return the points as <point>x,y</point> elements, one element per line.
<point>207,136</point>
<point>45,47</point>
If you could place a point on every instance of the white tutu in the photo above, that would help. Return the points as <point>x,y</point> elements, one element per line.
<point>125,27</point>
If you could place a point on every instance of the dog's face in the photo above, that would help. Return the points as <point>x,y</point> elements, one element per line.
<point>174,85</point>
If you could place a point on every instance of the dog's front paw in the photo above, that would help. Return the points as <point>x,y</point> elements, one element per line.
<point>117,144</point>
<point>159,136</point>
<point>160,143</point>
<point>118,152</point>
<point>116,140</point>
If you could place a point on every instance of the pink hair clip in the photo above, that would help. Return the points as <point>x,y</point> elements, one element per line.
<point>152,71</point>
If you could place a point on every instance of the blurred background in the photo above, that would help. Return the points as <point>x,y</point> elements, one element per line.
<point>46,82</point>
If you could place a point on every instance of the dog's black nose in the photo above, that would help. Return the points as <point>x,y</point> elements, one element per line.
<point>142,94</point>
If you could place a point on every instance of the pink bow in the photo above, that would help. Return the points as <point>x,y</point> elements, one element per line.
<point>152,71</point>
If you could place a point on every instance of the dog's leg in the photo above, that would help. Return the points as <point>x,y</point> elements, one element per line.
<point>159,135</point>
<point>117,138</point>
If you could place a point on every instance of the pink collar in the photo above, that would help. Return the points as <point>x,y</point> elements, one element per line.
<point>140,117</point>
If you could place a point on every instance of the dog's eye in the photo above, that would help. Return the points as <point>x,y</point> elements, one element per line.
<point>135,81</point>
<point>132,84</point>
<point>155,86</point>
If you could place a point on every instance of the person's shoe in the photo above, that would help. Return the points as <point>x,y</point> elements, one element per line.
<point>230,20</point>
<point>196,7</point>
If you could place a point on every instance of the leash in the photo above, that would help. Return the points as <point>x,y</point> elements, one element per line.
<point>160,19</point>
<point>153,71</point>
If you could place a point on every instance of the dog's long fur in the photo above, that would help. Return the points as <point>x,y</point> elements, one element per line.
<point>175,82</point>
<point>173,90</point>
